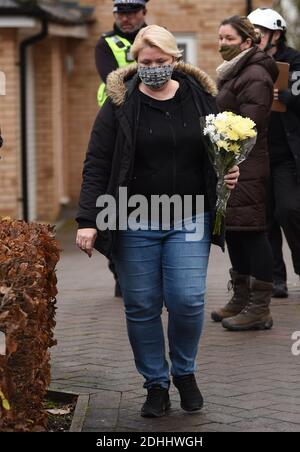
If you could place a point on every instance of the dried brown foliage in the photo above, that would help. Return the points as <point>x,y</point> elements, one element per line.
<point>28,256</point>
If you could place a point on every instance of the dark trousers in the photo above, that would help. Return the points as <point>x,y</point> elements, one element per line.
<point>275,238</point>
<point>250,254</point>
<point>112,268</point>
<point>284,212</point>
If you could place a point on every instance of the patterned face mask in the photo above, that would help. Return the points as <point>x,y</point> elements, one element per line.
<point>155,77</point>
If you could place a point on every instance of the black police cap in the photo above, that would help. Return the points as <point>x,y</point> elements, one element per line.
<point>127,6</point>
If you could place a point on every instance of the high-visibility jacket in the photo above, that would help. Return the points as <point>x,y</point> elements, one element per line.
<point>120,48</point>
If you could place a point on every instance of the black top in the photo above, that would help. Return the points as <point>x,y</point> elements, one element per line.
<point>279,149</point>
<point>278,142</point>
<point>169,147</point>
<point>111,155</point>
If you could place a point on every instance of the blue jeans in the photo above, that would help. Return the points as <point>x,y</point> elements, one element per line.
<point>156,268</point>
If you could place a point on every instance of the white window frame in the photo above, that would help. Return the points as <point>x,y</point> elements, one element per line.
<point>190,41</point>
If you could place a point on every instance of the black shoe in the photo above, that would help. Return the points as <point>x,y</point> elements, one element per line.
<point>118,292</point>
<point>190,395</point>
<point>280,289</point>
<point>157,402</point>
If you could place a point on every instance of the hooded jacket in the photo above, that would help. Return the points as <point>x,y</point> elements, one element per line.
<point>110,156</point>
<point>248,90</point>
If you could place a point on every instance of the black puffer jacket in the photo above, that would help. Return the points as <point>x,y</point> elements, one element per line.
<point>248,91</point>
<point>110,157</point>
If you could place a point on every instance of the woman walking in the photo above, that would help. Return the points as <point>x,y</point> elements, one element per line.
<point>245,82</point>
<point>147,138</point>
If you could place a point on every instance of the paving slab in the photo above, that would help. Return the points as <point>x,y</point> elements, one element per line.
<point>250,380</point>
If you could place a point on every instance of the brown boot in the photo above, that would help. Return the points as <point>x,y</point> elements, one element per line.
<point>256,315</point>
<point>240,298</point>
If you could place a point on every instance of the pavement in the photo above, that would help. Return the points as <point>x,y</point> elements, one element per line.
<point>250,380</point>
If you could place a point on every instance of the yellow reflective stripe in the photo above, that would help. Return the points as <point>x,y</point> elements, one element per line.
<point>101,94</point>
<point>119,53</point>
<point>120,56</point>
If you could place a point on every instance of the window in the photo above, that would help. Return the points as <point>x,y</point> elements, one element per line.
<point>187,42</point>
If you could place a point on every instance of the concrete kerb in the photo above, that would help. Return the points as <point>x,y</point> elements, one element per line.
<point>80,410</point>
<point>80,413</point>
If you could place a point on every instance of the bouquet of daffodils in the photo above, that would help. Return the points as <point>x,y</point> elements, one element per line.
<point>229,140</point>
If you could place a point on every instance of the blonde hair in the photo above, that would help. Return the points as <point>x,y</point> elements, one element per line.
<point>155,36</point>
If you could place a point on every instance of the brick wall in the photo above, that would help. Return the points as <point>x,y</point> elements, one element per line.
<point>51,127</point>
<point>44,137</point>
<point>82,108</point>
<point>9,111</point>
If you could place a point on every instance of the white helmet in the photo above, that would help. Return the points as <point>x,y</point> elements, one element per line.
<point>267,18</point>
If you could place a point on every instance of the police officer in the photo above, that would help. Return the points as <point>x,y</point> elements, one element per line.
<point>284,148</point>
<point>113,48</point>
<point>113,51</point>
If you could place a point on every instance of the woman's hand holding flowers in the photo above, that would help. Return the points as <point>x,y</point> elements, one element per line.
<point>232,177</point>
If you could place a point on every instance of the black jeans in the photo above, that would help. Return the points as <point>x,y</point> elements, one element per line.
<point>250,254</point>
<point>284,212</point>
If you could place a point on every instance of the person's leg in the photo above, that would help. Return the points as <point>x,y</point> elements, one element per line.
<point>274,234</point>
<point>184,282</point>
<point>184,266</point>
<point>137,257</point>
<point>238,257</point>
<point>279,269</point>
<point>111,266</point>
<point>239,278</point>
<point>256,314</point>
<point>275,239</point>
<point>287,207</point>
<point>259,251</point>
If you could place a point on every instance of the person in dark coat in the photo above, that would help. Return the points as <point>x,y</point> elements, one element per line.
<point>245,82</point>
<point>147,139</point>
<point>112,51</point>
<point>284,149</point>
